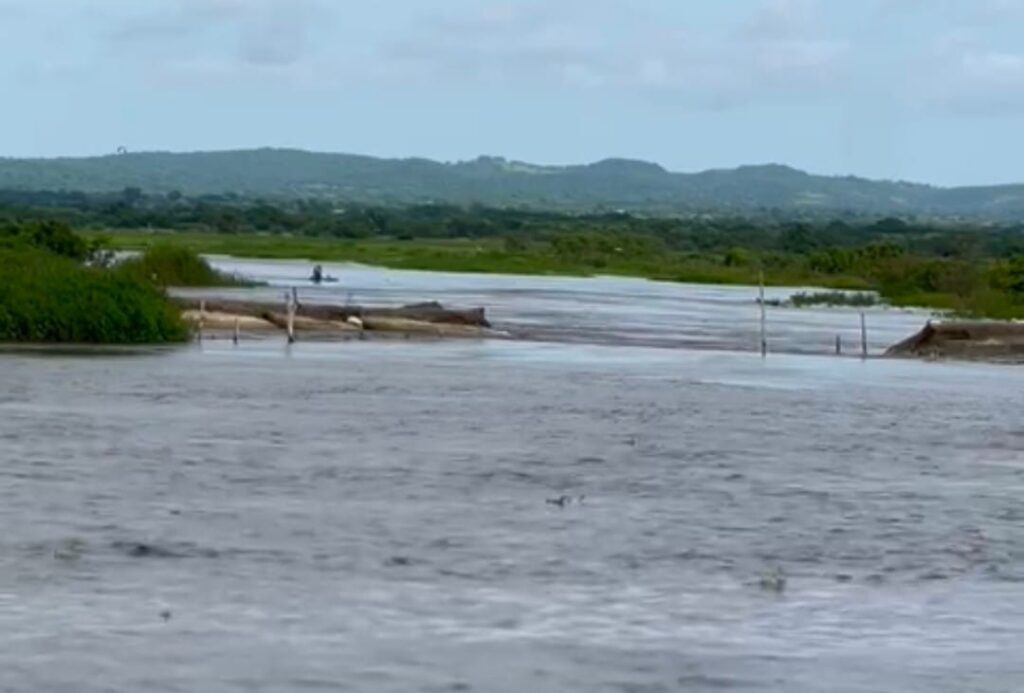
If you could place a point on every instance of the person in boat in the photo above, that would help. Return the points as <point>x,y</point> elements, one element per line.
<point>318,274</point>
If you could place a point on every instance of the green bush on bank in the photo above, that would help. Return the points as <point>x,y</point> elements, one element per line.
<point>55,237</point>
<point>169,264</point>
<point>46,298</point>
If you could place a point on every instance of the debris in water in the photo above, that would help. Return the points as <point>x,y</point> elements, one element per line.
<point>563,501</point>
<point>141,550</point>
<point>69,550</point>
<point>774,582</point>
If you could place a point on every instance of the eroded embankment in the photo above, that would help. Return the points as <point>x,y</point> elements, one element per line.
<point>980,341</point>
<point>255,318</point>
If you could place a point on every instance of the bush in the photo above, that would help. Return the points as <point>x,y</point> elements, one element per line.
<point>47,298</point>
<point>53,236</point>
<point>167,264</point>
<point>834,298</point>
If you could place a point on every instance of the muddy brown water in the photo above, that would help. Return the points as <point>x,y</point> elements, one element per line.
<point>374,516</point>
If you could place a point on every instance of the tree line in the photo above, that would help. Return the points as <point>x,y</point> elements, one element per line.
<point>964,265</point>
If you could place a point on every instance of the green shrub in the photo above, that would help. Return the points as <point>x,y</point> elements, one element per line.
<point>53,236</point>
<point>50,299</point>
<point>168,264</point>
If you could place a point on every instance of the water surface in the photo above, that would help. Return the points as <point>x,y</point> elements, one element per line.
<point>373,517</point>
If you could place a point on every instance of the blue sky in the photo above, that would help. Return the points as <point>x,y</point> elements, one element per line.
<point>925,90</point>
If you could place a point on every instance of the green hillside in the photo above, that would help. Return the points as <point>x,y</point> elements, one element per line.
<point>611,184</point>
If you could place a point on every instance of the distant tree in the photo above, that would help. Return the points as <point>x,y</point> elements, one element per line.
<point>797,238</point>
<point>57,237</point>
<point>514,244</point>
<point>891,225</point>
<point>737,257</point>
<point>132,196</point>
<point>1012,276</point>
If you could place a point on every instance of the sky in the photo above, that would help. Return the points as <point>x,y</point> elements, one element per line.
<point>923,90</point>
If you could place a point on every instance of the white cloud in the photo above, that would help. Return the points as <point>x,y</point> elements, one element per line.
<point>981,81</point>
<point>501,43</point>
<point>965,13</point>
<point>775,20</point>
<point>957,55</point>
<point>966,72</point>
<point>782,46</point>
<point>257,32</point>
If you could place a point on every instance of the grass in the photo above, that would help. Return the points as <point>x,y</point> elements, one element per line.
<point>45,298</point>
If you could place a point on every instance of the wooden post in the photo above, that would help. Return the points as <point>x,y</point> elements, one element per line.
<point>839,345</point>
<point>863,335</point>
<point>237,330</point>
<point>289,304</point>
<point>764,319</point>
<point>202,312</point>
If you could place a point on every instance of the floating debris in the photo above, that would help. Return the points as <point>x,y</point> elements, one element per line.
<point>69,550</point>
<point>773,582</point>
<point>563,500</point>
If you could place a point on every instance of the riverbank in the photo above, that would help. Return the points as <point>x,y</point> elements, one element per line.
<point>231,319</point>
<point>996,342</point>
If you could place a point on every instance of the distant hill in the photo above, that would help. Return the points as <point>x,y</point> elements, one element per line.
<point>611,184</point>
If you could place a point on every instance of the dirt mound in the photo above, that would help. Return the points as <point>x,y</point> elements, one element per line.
<point>985,341</point>
<point>431,312</point>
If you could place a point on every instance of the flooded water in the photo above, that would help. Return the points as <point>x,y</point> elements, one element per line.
<point>601,310</point>
<point>375,516</point>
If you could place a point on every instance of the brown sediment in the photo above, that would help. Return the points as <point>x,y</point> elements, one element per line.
<point>981,341</point>
<point>407,326</point>
<point>430,312</point>
<point>221,318</point>
<point>303,323</point>
<point>218,320</point>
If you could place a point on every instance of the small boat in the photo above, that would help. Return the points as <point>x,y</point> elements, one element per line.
<point>318,276</point>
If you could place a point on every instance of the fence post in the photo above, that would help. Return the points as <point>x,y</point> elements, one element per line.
<point>764,319</point>
<point>290,305</point>
<point>863,335</point>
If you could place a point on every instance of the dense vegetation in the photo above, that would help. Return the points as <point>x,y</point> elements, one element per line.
<point>52,290</point>
<point>48,298</point>
<point>168,264</point>
<point>636,186</point>
<point>969,267</point>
